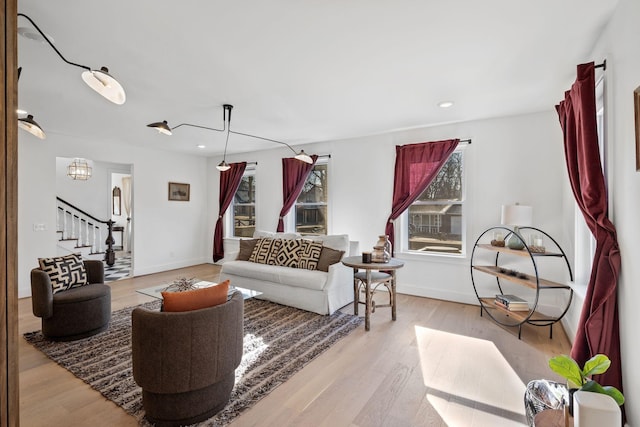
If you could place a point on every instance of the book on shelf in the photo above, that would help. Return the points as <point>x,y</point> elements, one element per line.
<point>511,302</point>
<point>508,298</point>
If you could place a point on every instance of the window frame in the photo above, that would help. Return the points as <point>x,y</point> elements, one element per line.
<point>230,214</point>
<point>402,223</point>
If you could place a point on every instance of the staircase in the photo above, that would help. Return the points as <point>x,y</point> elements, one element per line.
<point>81,232</point>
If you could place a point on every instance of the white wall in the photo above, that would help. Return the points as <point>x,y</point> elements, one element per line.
<point>511,159</point>
<point>168,234</point>
<point>619,45</point>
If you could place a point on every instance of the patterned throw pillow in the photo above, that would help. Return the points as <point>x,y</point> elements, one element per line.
<point>289,253</point>
<point>309,254</point>
<point>265,251</point>
<point>65,272</point>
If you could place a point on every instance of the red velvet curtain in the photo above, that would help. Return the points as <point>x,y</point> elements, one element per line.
<point>598,328</point>
<point>416,166</point>
<point>229,182</point>
<point>294,174</point>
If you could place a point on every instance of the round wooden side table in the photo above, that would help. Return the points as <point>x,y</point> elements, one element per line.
<point>356,263</point>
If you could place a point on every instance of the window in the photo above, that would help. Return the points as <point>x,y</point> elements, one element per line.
<point>311,206</point>
<point>243,210</point>
<point>435,222</point>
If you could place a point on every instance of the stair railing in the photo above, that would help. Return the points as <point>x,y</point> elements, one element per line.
<point>78,224</point>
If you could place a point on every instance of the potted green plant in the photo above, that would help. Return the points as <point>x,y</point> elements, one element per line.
<point>580,379</point>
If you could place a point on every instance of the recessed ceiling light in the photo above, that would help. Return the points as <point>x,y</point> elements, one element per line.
<point>19,111</point>
<point>32,34</point>
<point>200,146</point>
<point>445,104</point>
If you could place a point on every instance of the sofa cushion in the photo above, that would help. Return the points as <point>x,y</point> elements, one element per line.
<point>289,253</point>
<point>195,299</point>
<point>339,242</point>
<point>295,277</point>
<point>328,257</point>
<point>65,272</point>
<point>246,249</point>
<point>266,251</point>
<point>272,235</point>
<point>309,254</point>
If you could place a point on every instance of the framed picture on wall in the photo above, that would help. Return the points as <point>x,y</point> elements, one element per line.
<point>179,191</point>
<point>636,102</point>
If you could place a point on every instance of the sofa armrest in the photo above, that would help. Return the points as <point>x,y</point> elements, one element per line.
<point>41,294</point>
<point>229,256</point>
<point>339,273</point>
<point>95,270</point>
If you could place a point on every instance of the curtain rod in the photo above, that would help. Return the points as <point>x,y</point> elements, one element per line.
<point>603,65</point>
<point>465,141</point>
<point>321,156</point>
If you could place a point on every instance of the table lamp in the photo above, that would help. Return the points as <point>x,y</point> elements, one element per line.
<point>517,216</point>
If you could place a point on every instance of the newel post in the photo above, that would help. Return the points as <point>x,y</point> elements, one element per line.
<point>110,255</point>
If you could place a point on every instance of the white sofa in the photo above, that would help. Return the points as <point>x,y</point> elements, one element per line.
<point>312,290</point>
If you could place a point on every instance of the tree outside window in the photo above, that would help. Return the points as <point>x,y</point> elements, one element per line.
<point>311,206</point>
<point>435,220</point>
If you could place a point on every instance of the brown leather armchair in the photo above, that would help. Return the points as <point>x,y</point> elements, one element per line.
<point>185,361</point>
<point>75,313</point>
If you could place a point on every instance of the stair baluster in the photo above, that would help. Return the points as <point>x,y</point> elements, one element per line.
<point>76,225</point>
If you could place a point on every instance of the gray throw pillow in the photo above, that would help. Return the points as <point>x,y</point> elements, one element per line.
<point>246,249</point>
<point>328,257</point>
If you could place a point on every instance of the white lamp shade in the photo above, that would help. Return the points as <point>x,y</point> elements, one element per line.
<point>103,83</point>
<point>517,215</point>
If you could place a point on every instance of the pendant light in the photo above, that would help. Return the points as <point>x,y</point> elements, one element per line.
<point>79,169</point>
<point>99,80</point>
<point>164,128</point>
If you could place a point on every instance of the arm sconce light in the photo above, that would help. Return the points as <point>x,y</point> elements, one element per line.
<point>164,128</point>
<point>31,126</point>
<point>28,123</point>
<point>99,80</point>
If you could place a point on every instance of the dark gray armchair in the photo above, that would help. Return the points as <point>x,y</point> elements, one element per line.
<point>75,313</point>
<point>185,361</point>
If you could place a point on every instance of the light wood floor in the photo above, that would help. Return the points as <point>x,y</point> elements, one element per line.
<point>439,364</point>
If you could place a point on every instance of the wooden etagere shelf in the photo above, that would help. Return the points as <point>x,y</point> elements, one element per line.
<point>503,315</point>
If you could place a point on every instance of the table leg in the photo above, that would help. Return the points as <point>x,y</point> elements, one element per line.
<point>367,314</point>
<point>356,293</point>
<point>393,295</point>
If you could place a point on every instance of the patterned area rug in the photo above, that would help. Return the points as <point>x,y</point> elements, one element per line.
<point>278,342</point>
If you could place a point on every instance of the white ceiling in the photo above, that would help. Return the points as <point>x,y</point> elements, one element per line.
<point>298,71</point>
